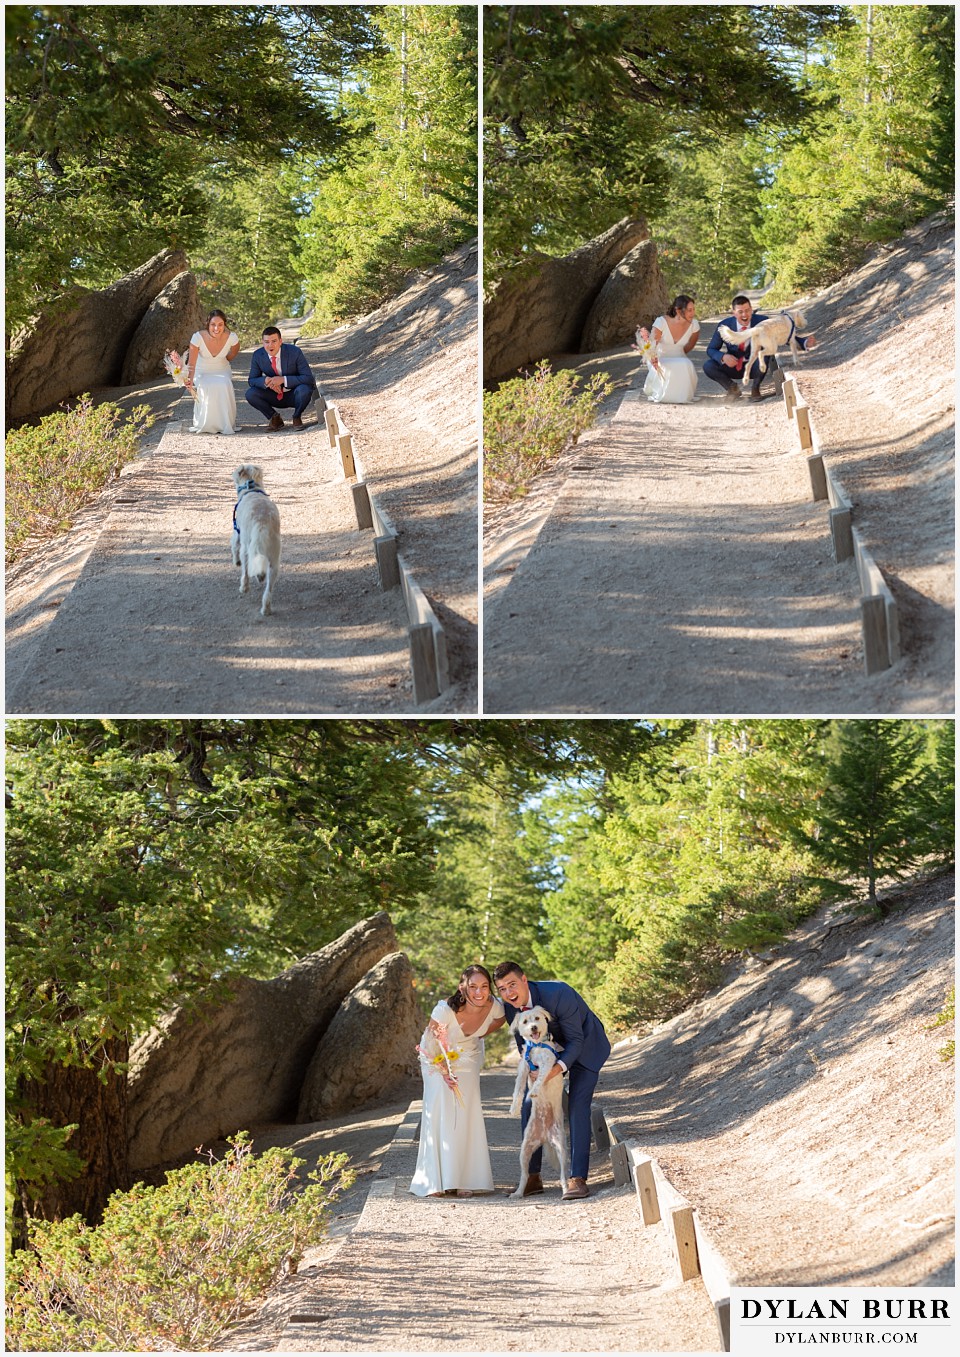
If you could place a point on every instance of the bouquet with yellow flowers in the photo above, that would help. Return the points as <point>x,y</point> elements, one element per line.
<point>177,368</point>
<point>647,349</point>
<point>435,1051</point>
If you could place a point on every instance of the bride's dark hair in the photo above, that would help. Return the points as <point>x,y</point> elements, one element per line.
<point>679,303</point>
<point>458,998</point>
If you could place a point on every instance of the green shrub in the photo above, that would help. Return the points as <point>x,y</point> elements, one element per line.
<point>529,421</point>
<point>946,1014</point>
<point>169,1266</point>
<point>60,464</point>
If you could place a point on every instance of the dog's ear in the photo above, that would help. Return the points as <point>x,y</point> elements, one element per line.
<point>548,1016</point>
<point>516,1022</point>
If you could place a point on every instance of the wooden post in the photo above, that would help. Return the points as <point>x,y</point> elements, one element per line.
<point>683,1239</point>
<point>345,445</point>
<point>646,1185</point>
<point>330,419</point>
<point>361,504</point>
<point>423,663</point>
<point>873,617</point>
<point>385,550</point>
<point>818,476</point>
<point>620,1163</point>
<point>722,1311</point>
<point>789,396</point>
<point>803,426</point>
<point>598,1124</point>
<point>841,530</point>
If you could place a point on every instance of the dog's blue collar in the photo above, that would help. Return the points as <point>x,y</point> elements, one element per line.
<point>241,491</point>
<point>532,1046</point>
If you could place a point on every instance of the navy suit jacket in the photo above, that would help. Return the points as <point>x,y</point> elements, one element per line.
<point>576,1028</point>
<point>293,365</point>
<point>719,346</point>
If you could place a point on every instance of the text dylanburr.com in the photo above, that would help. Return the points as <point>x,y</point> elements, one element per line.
<point>769,1320</point>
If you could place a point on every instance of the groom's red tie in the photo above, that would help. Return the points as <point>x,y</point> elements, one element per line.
<point>276,364</point>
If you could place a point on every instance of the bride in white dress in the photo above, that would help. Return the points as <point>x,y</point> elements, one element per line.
<point>453,1140</point>
<point>674,335</point>
<point>211,352</point>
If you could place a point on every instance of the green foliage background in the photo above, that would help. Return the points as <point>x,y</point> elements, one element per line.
<point>148,861</point>
<point>763,143</point>
<point>300,154</point>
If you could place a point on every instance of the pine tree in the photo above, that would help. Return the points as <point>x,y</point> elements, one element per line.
<point>873,811</point>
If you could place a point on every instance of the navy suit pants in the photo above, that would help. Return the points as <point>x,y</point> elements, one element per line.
<point>728,378</point>
<point>268,402</point>
<point>581,1084</point>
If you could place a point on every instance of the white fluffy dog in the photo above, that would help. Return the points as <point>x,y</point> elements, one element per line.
<point>255,545</point>
<point>764,339</point>
<point>546,1124</point>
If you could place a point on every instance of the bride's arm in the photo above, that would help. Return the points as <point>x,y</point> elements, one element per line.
<point>192,361</point>
<point>693,339</point>
<point>234,349</point>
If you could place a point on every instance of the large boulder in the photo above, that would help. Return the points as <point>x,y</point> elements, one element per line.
<point>79,343</point>
<point>204,1073</point>
<point>369,1051</point>
<point>542,307</point>
<point>634,294</point>
<point>170,320</point>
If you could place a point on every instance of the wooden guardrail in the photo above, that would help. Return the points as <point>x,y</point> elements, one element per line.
<point>428,643</point>
<point>660,1204</point>
<point>878,608</point>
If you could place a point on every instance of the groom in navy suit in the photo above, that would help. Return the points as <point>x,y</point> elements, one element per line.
<point>584,1048</point>
<point>725,361</point>
<point>280,376</point>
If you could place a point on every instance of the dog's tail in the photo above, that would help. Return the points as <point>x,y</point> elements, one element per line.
<point>258,566</point>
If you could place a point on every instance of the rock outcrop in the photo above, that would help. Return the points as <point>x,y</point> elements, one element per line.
<point>369,1050</point>
<point>79,343</point>
<point>634,294</point>
<point>205,1073</point>
<point>543,307</point>
<point>170,320</point>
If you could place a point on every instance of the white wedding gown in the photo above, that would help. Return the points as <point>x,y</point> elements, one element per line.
<point>678,384</point>
<point>215,408</point>
<point>453,1139</point>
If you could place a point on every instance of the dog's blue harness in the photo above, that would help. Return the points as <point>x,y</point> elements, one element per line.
<point>245,490</point>
<point>532,1046</point>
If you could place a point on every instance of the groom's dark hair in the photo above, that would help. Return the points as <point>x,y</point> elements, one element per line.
<point>739,299</point>
<point>507,968</point>
<point>270,330</point>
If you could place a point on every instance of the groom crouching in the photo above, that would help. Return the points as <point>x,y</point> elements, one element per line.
<point>726,361</point>
<point>584,1048</point>
<point>280,377</point>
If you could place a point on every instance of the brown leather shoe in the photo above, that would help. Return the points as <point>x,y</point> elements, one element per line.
<point>576,1188</point>
<point>275,423</point>
<point>533,1187</point>
<point>297,422</point>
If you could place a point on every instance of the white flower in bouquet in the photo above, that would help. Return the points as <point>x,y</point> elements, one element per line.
<point>177,369</point>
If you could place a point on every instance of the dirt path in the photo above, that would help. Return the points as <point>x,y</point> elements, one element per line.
<point>802,1108</point>
<point>683,568</point>
<point>443,1275</point>
<point>156,623</point>
<point>675,561</point>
